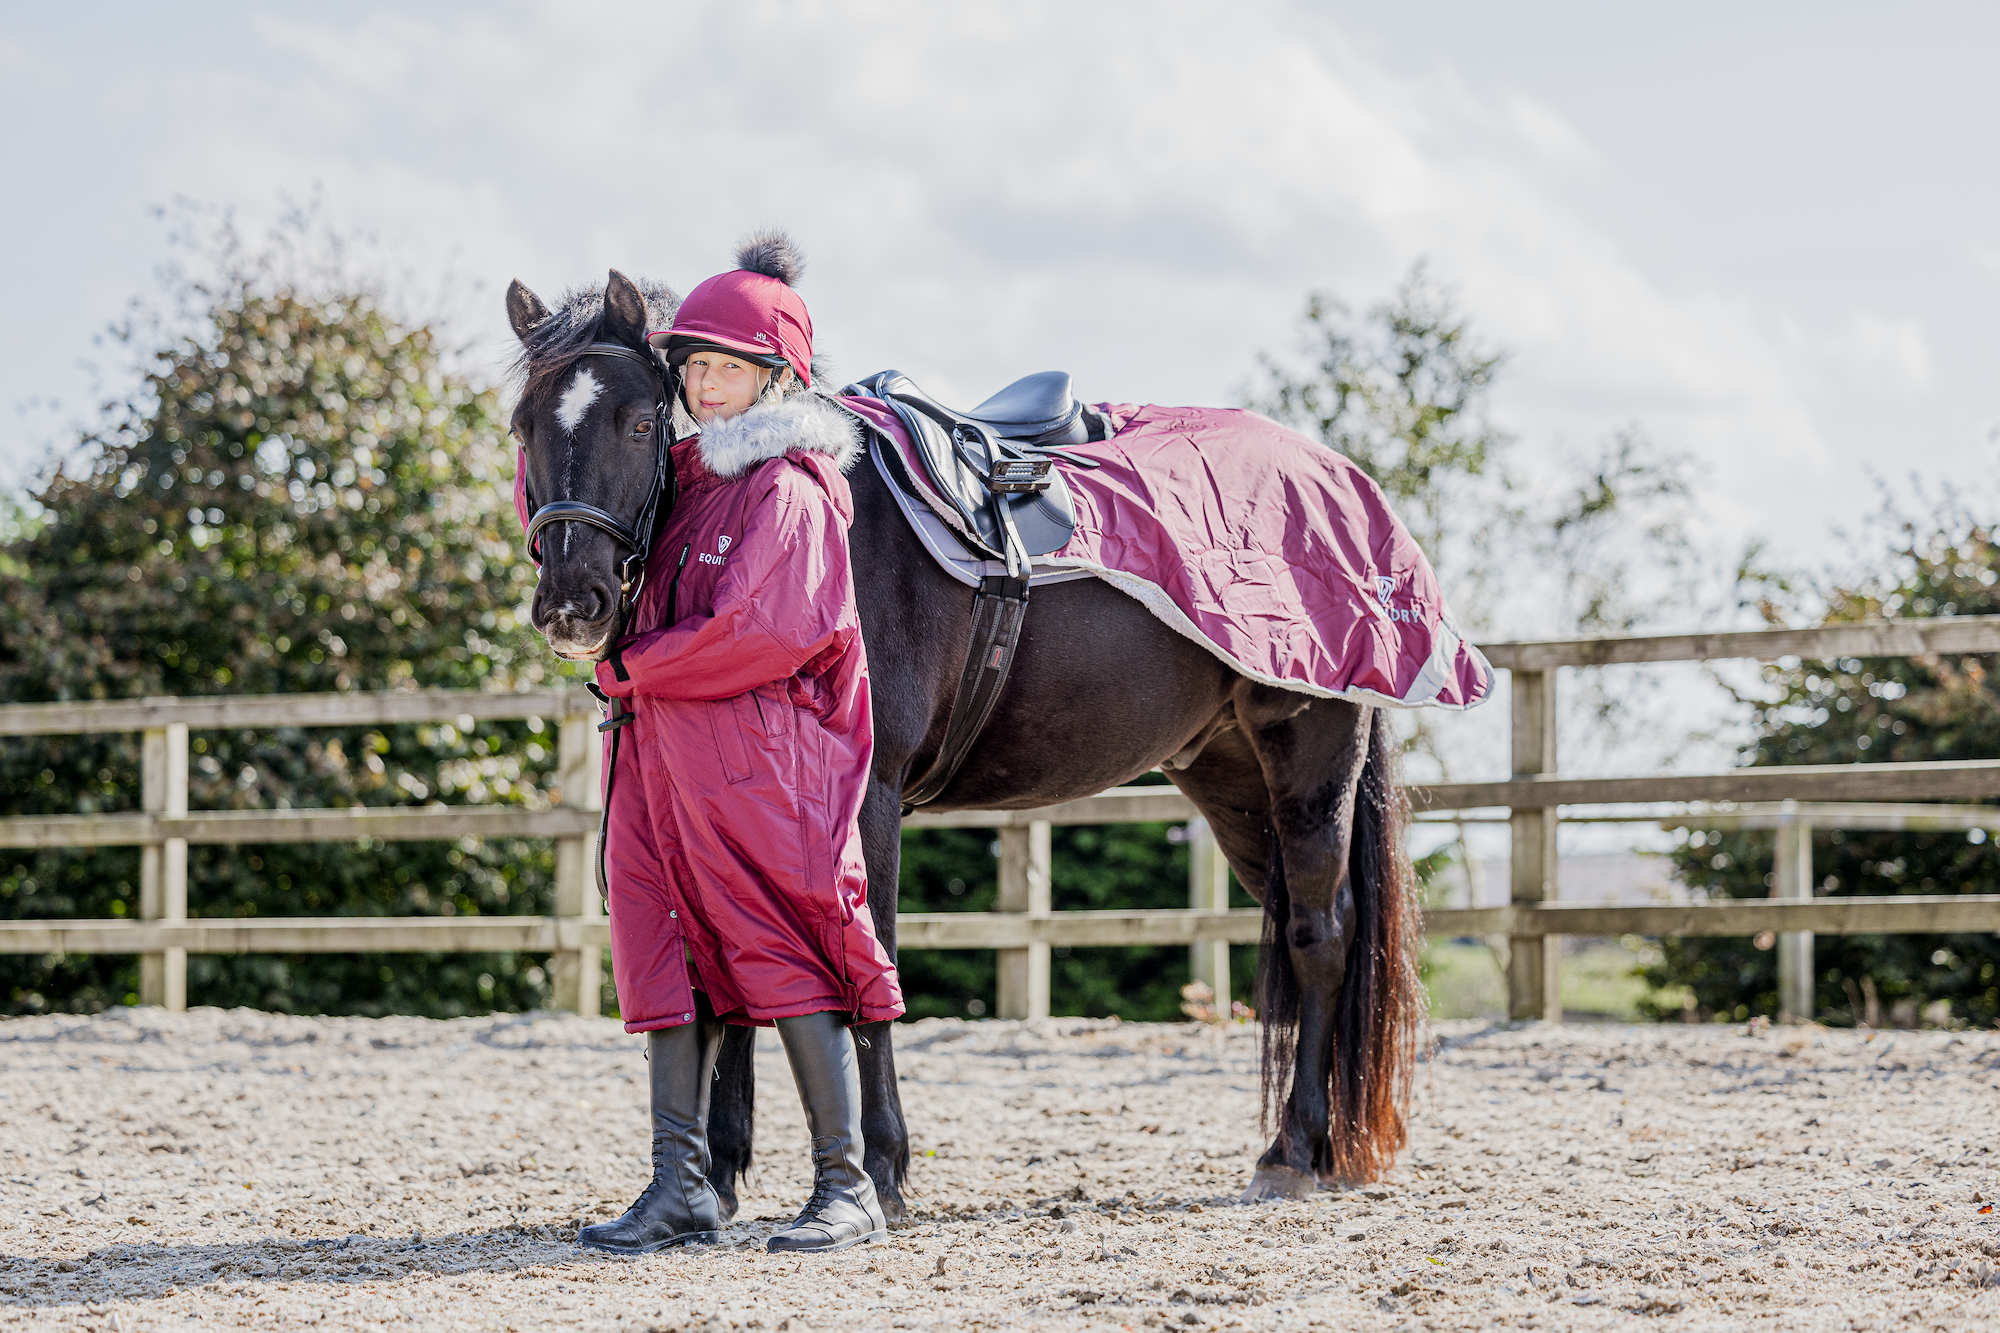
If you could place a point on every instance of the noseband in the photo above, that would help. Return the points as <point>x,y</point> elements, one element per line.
<point>637,539</point>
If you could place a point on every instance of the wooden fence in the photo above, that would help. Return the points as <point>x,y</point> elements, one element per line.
<point>1025,929</point>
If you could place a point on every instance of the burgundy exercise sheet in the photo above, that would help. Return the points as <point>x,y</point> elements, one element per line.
<point>1274,552</point>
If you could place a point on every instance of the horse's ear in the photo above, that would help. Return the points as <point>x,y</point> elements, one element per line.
<point>524,309</point>
<point>624,310</point>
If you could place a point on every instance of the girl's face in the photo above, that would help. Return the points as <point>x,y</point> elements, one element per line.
<point>718,385</point>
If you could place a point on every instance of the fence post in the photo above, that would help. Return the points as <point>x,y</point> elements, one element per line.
<point>1793,880</point>
<point>1024,887</point>
<point>1208,891</point>
<point>577,975</point>
<point>1534,962</point>
<point>163,865</point>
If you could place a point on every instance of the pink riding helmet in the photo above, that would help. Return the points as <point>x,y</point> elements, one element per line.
<point>752,310</point>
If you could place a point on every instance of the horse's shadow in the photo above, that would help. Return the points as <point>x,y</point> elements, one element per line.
<point>129,1272</point>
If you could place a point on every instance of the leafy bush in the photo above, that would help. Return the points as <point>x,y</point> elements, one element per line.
<point>299,495</point>
<point>1876,710</point>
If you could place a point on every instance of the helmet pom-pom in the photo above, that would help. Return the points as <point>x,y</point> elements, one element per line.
<point>772,254</point>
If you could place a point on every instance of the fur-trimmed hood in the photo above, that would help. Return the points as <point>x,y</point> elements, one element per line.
<point>808,422</point>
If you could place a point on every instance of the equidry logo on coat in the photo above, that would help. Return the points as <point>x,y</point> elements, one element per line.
<point>721,549</point>
<point>1385,587</point>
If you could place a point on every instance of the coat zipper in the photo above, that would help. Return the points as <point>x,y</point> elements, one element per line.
<point>674,588</point>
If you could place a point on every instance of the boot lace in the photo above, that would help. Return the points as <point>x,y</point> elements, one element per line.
<point>825,1192</point>
<point>645,1194</point>
<point>661,1168</point>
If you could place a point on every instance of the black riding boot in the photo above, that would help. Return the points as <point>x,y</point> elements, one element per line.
<point>679,1207</point>
<point>842,1210</point>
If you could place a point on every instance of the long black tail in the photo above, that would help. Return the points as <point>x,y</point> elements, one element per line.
<point>1379,1013</point>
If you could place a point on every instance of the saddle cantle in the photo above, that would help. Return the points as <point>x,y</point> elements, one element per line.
<point>990,467</point>
<point>1038,408</point>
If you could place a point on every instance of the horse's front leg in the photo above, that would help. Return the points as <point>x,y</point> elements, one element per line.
<point>732,1114</point>
<point>885,1135</point>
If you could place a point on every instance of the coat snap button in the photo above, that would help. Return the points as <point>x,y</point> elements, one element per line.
<point>675,915</point>
<point>687,1018</point>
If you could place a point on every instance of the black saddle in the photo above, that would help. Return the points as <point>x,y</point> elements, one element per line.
<point>993,465</point>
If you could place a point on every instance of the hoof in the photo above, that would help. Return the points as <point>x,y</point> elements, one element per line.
<point>1279,1182</point>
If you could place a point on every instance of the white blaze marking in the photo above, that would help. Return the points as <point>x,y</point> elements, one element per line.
<point>576,400</point>
<point>570,410</point>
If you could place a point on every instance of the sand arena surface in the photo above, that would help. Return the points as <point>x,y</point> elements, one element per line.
<point>244,1170</point>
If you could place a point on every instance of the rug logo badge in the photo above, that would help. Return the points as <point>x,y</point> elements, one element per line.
<point>722,545</point>
<point>1385,587</point>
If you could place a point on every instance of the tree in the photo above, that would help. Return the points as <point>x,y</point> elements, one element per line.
<point>299,494</point>
<point>1875,710</point>
<point>1600,544</point>
<point>1403,393</point>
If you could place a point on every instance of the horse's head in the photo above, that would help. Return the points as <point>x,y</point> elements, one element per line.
<point>591,433</point>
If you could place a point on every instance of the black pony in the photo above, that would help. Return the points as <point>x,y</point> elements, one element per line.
<point>1301,791</point>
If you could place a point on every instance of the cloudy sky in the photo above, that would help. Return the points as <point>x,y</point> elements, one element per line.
<point>1766,234</point>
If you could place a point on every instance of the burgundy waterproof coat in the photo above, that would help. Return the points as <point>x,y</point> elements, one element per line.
<point>734,847</point>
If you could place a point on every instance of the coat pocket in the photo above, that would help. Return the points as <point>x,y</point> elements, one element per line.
<point>732,745</point>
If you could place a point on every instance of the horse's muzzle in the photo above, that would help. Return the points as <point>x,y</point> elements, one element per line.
<point>575,639</point>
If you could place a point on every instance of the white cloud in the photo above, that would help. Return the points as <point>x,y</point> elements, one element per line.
<point>1139,194</point>
<point>1867,349</point>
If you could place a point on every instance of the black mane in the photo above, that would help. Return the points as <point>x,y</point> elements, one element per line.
<point>557,342</point>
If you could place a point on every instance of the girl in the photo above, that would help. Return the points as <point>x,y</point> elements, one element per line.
<point>737,888</point>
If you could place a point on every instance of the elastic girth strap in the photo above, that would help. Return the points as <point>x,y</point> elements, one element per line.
<point>998,611</point>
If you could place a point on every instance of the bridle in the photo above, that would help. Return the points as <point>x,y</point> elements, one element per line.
<point>637,539</point>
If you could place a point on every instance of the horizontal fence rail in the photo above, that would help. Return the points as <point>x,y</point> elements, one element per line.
<point>1790,800</point>
<point>305,934</point>
<point>235,827</point>
<point>1909,914</point>
<point>1964,780</point>
<point>1886,638</point>
<point>378,708</point>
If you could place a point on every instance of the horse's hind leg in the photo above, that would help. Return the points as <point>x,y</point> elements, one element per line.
<point>1311,752</point>
<point>1280,789</point>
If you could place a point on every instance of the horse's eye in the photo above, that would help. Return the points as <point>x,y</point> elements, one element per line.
<point>519,438</point>
<point>643,428</point>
